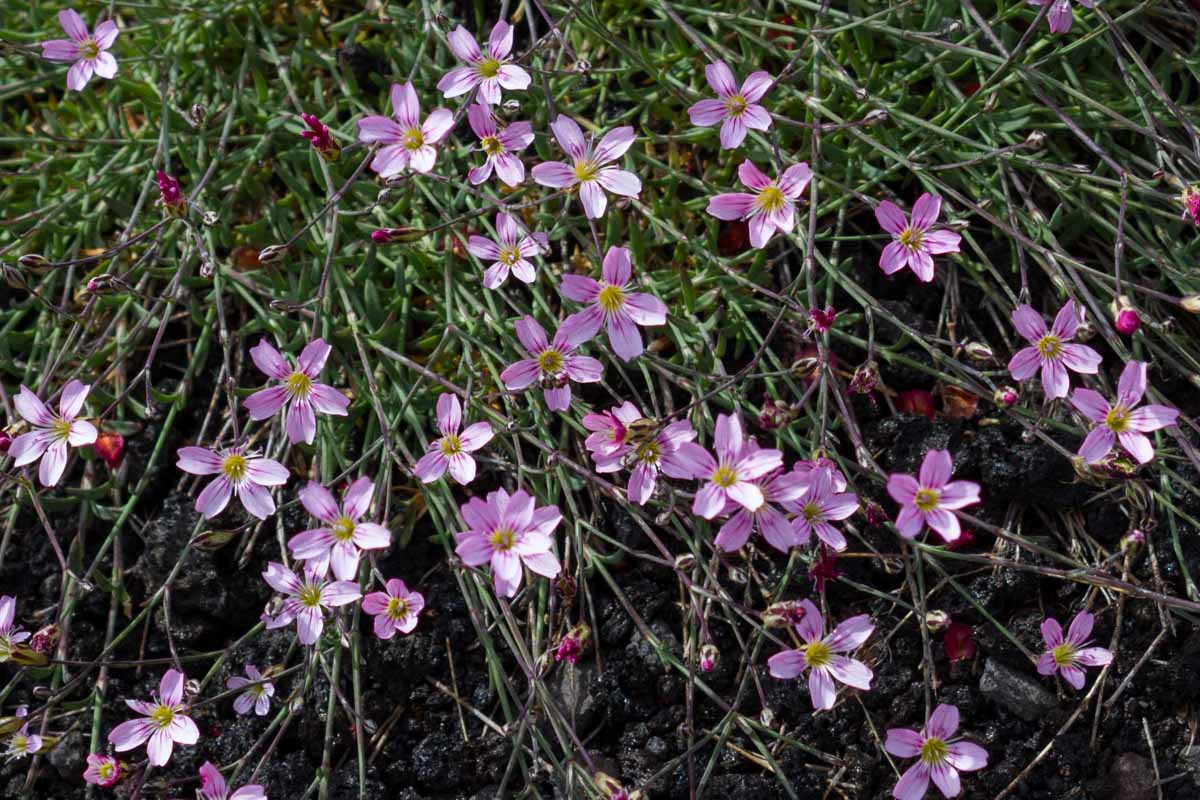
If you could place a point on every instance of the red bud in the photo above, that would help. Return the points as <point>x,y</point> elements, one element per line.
<point>109,446</point>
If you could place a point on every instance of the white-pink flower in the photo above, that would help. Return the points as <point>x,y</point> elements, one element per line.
<point>771,205</point>
<point>238,473</point>
<point>554,364</point>
<point>23,743</point>
<point>395,610</point>
<point>509,253</point>
<point>1121,422</point>
<point>10,636</point>
<point>299,387</point>
<point>506,532</point>
<point>611,304</point>
<point>407,142</point>
<point>940,758</point>
<point>1052,349</point>
<point>646,455</point>
<point>491,72</point>
<point>257,695</point>
<point>1060,17</point>
<point>164,722</point>
<point>822,656</point>
<point>498,145</point>
<point>344,536</point>
<point>89,52</point>
<point>819,507</point>
<point>589,170</point>
<point>306,599</point>
<point>213,786</point>
<point>1066,655</point>
<point>53,431</point>
<point>732,475</point>
<point>913,244</point>
<point>929,498</point>
<point>453,451</point>
<point>737,109</point>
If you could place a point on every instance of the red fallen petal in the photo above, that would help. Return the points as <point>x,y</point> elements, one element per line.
<point>959,642</point>
<point>733,238</point>
<point>109,446</point>
<point>915,401</point>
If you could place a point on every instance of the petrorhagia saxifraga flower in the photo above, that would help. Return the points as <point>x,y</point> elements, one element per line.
<point>306,599</point>
<point>53,431</point>
<point>239,473</point>
<point>299,389</point>
<point>344,536</point>
<point>407,142</point>
<point>506,532</point>
<point>613,305</point>
<point>453,450</point>
<point>88,51</point>
<point>164,722</point>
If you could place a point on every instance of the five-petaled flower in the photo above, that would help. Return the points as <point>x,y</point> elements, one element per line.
<point>340,541</point>
<point>306,599</point>
<point>299,388</point>
<point>771,205</point>
<point>54,431</point>
<point>102,770</point>
<point>939,757</point>
<point>590,169</point>
<point>821,655</point>
<point>23,743</point>
<point>1121,422</point>
<point>1052,351</point>
<point>320,138</point>
<point>913,244</point>
<point>1066,655</point>
<point>1059,16</point>
<point>213,786</point>
<point>819,507</point>
<point>407,142</point>
<point>257,692</point>
<point>164,722</point>
<point>732,474</point>
<point>623,437</point>
<point>929,498</point>
<point>505,532</point>
<point>10,636</point>
<point>491,72</point>
<point>498,145</point>
<point>776,486</point>
<point>611,304</point>
<point>453,450</point>
<point>554,364</point>
<point>238,473</point>
<point>395,610</point>
<point>737,109</point>
<point>509,253</point>
<point>88,51</point>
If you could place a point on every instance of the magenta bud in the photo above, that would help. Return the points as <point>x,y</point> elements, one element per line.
<point>1128,322</point>
<point>5,441</point>
<point>709,655</point>
<point>1006,396</point>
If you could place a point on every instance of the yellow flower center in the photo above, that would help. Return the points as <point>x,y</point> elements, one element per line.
<point>1050,346</point>
<point>911,238</point>
<point>1064,655</point>
<point>736,105</point>
<point>299,384</point>
<point>489,68</point>
<point>88,49</point>
<point>310,596</point>
<point>934,751</point>
<point>343,529</point>
<point>585,170</point>
<point>1117,419</point>
<point>19,742</point>
<point>503,539</point>
<point>724,477</point>
<point>451,446</point>
<point>926,499</point>
<point>771,199</point>
<point>234,467</point>
<point>818,654</point>
<point>649,453</point>
<point>162,716</point>
<point>60,428</point>
<point>106,770</point>
<point>811,512</point>
<point>414,139</point>
<point>611,298</point>
<point>550,361</point>
<point>397,608</point>
<point>509,256</point>
<point>491,145</point>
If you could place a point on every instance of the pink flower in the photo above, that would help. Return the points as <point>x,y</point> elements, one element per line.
<point>738,109</point>
<point>10,636</point>
<point>1190,198</point>
<point>258,692</point>
<point>408,143</point>
<point>730,476</point>
<point>818,507</point>
<point>307,598</point>
<point>23,743</point>
<point>299,387</point>
<point>320,138</point>
<point>88,51</point>
<point>588,169</point>
<point>54,431</point>
<point>772,205</point>
<point>554,363</point>
<point>913,243</point>
<point>1119,422</point>
<point>510,253</point>
<point>776,486</point>
<point>213,787</point>
<point>1051,349</point>
<point>940,758</point>
<point>452,451</point>
<point>648,453</point>
<point>102,770</point>
<point>490,72</point>
<point>1060,17</point>
<point>498,145</point>
<point>338,543</point>
<point>170,196</point>
<point>164,722</point>
<point>608,432</point>
<point>1066,655</point>
<point>397,609</point>
<point>613,305</point>
<point>929,500</point>
<point>240,473</point>
<point>820,656</point>
<point>1127,322</point>
<point>507,531</point>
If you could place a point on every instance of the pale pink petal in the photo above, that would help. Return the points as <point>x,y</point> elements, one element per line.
<point>531,334</point>
<point>256,500</point>
<point>946,779</point>
<point>1094,657</point>
<point>1046,664</point>
<point>1134,443</point>
<point>71,401</point>
<point>569,136</point>
<point>73,24</point>
<point>266,472</point>
<point>922,266</point>
<point>850,634</point>
<point>521,374</point>
<point>328,400</point>
<point>943,722</point>
<point>1029,323</point>
<point>509,169</point>
<point>1132,384</point>
<point>619,181</point>
<point>437,125</point>
<point>1052,634</point>
<point>371,129</point>
<point>581,289</point>
<point>79,74</point>
<point>464,46</point>
<point>593,199</point>
<point>106,65</point>
<point>794,180</point>
<point>1060,16</point>
<point>706,112</point>
<point>894,258</point>
<point>903,742</point>
<point>890,217</point>
<point>458,81</point>
<point>500,41</point>
<point>1091,404</point>
<point>1055,381</point>
<point>614,144</point>
<point>936,469</point>
<point>944,523</point>
<point>1081,628</point>
<point>1066,321</point>
<point>851,672</point>
<point>787,664</point>
<point>709,502</point>
<point>62,50</point>
<point>554,174</point>
<point>733,132</point>
<point>131,734</point>
<point>624,336</point>
<point>913,783</point>
<point>475,436</point>
<point>940,242</point>
<point>925,211</point>
<point>266,403</point>
<point>422,159</point>
<point>406,108</point>
<point>1097,445</point>
<point>721,79</point>
<point>966,756</point>
<point>1081,358</point>
<point>958,494</point>
<point>513,78</point>
<point>756,118</point>
<point>735,532</point>
<point>734,205</point>
<point>645,309</point>
<point>357,499</point>
<point>1025,363</point>
<point>755,86</point>
<point>1152,417</point>
<point>752,177</point>
<point>821,688</point>
<point>317,501</point>
<point>903,488</point>
<point>105,34</point>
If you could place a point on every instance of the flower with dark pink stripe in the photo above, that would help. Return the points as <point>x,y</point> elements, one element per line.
<point>214,787</point>
<point>929,498</point>
<point>731,476</point>
<point>1052,351</point>
<point>1120,421</point>
<point>510,252</point>
<point>164,722</point>
<point>340,542</point>
<point>769,207</point>
<point>506,532</point>
<point>257,692</point>
<point>407,143</point>
<point>53,431</point>
<point>736,109</point>
<point>395,610</point>
<point>453,451</point>
<point>590,169</point>
<point>88,51</point>
<point>299,390</point>
<point>913,243</point>
<point>489,72</point>
<point>239,474</point>
<point>1067,654</point>
<point>822,655</point>
<point>554,365</point>
<point>306,599</point>
<point>819,507</point>
<point>498,145</point>
<point>611,304</point>
<point>939,757</point>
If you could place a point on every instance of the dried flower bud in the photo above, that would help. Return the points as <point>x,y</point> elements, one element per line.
<point>805,367</point>
<point>170,195</point>
<point>978,351</point>
<point>212,541</point>
<point>865,379</point>
<point>709,656</point>
<point>32,260</point>
<point>685,562</point>
<point>824,569</point>
<point>875,514</point>
<point>271,253</point>
<point>1035,140</point>
<point>915,401</point>
<point>875,117</point>
<point>320,138</point>
<point>109,446</point>
<point>820,320</point>
<point>937,620</point>
<point>775,414</point>
<point>783,615</point>
<point>1006,396</point>
<point>5,441</point>
<point>44,640</point>
<point>959,642</point>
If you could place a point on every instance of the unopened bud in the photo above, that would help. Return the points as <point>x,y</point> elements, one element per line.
<point>32,260</point>
<point>271,253</point>
<point>98,284</point>
<point>1085,331</point>
<point>709,656</point>
<point>875,117</point>
<point>1127,322</point>
<point>937,621</point>
<point>685,562</point>
<point>875,514</point>
<point>1132,541</point>
<point>583,66</point>
<point>210,218</point>
<point>978,351</point>
<point>805,367</point>
<point>5,441</point>
<point>1006,396</point>
<point>766,717</point>
<point>1190,304</point>
<point>212,541</point>
<point>865,379</point>
<point>511,105</point>
<point>1035,140</point>
<point>44,640</point>
<point>783,615</point>
<point>394,235</point>
<point>109,446</point>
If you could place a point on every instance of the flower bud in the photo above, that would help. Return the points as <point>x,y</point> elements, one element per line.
<point>875,117</point>
<point>783,615</point>
<point>5,441</point>
<point>583,66</point>
<point>571,646</point>
<point>170,195</point>
<point>865,379</point>
<point>199,113</point>
<point>271,253</point>
<point>1132,541</point>
<point>709,656</point>
<point>875,514</point>
<point>32,260</point>
<point>1191,203</point>
<point>1127,322</point>
<point>685,562</point>
<point>394,235</point>
<point>821,320</point>
<point>937,620</point>
<point>1006,396</point>
<point>44,640</point>
<point>978,351</point>
<point>212,541</point>
<point>1190,304</point>
<point>210,218</point>
<point>915,401</point>
<point>959,642</point>
<point>320,138</point>
<point>775,414</point>
<point>109,446</point>
<point>1035,140</point>
<point>805,367</point>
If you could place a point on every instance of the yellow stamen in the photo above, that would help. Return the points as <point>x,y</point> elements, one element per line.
<point>299,384</point>
<point>736,105</point>
<point>491,145</point>
<point>60,428</point>
<point>414,139</point>
<point>397,608</point>
<point>310,596</point>
<point>926,500</point>
<point>162,716</point>
<point>489,68</point>
<point>343,529</point>
<point>585,170</point>
<point>724,477</point>
<point>550,362</point>
<point>451,446</point>
<point>911,238</point>
<point>934,751</point>
<point>503,539</point>
<point>234,467</point>
<point>1117,419</point>
<point>817,654</point>
<point>771,199</point>
<point>611,298</point>
<point>1049,346</point>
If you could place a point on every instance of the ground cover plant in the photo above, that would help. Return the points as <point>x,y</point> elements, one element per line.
<point>608,399</point>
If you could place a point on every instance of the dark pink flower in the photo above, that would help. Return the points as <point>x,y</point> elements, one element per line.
<point>1128,322</point>
<point>940,758</point>
<point>509,253</point>
<point>164,722</point>
<point>407,142</point>
<point>89,52</point>
<point>822,656</point>
<point>1060,16</point>
<point>1120,421</point>
<point>929,498</point>
<point>239,473</point>
<point>770,207</point>
<point>498,145</point>
<point>491,72</point>
<point>1067,655</point>
<point>590,169</point>
<point>397,609</point>
<point>102,770</point>
<point>53,432</point>
<point>737,109</point>
<point>611,304</point>
<point>506,532</point>
<point>818,507</point>
<point>553,363</point>
<point>320,138</point>
<point>298,386</point>
<point>913,243</point>
<point>1052,349</point>
<point>344,536</point>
